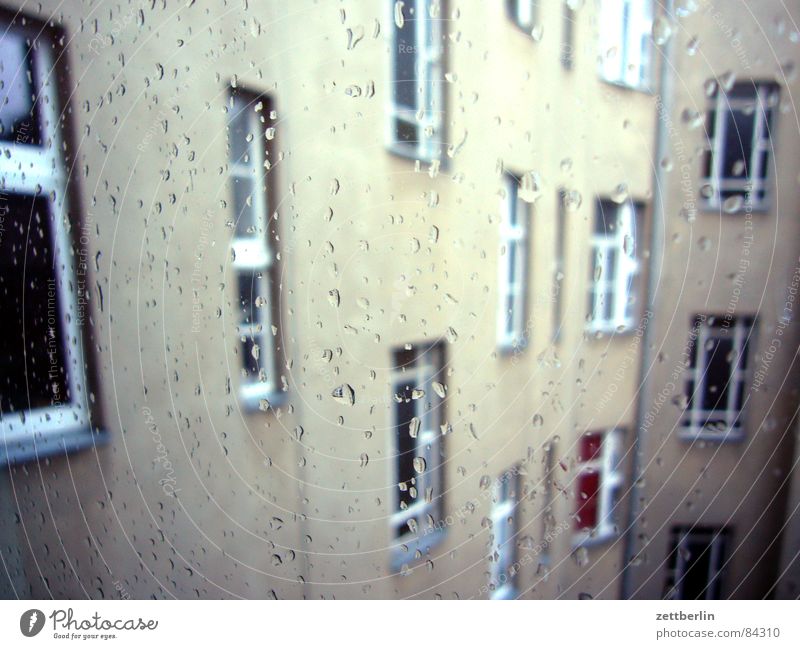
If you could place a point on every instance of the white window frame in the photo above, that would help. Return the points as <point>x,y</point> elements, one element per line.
<point>502,568</point>
<point>428,365</point>
<point>618,280</point>
<point>40,170</point>
<point>754,183</point>
<point>695,426</point>
<point>514,229</point>
<point>717,539</point>
<point>427,117</point>
<point>611,478</point>
<point>625,28</point>
<point>255,254</point>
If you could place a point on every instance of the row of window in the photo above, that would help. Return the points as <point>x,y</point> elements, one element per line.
<point>714,395</point>
<point>739,117</point>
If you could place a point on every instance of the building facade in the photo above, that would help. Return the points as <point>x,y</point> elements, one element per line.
<point>431,299</point>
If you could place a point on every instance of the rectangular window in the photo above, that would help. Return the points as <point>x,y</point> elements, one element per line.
<point>739,127</point>
<point>418,392</point>
<point>599,480</point>
<point>512,283</point>
<point>717,376</point>
<point>523,13</point>
<point>559,266</point>
<point>625,28</point>
<point>254,247</point>
<point>43,398</point>
<point>416,91</point>
<point>695,562</point>
<point>614,267</point>
<point>503,573</point>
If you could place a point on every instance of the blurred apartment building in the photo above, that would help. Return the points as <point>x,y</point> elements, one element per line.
<point>399,299</point>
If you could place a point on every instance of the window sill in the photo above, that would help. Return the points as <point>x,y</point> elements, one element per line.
<point>411,153</point>
<point>593,539</point>
<point>644,88</point>
<point>505,592</point>
<point>731,435</point>
<point>35,447</point>
<point>716,207</point>
<point>511,348</point>
<point>251,397</point>
<point>404,553</point>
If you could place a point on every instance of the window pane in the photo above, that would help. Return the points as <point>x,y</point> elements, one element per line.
<point>405,411</point>
<point>243,189</point>
<point>590,447</point>
<point>588,500</point>
<point>31,340</point>
<point>406,50</point>
<point>718,373</point>
<point>738,143</point>
<point>19,116</point>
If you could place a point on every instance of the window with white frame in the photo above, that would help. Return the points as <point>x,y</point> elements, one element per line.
<point>599,479</point>
<point>695,562</point>
<point>612,294</point>
<point>254,247</point>
<point>625,28</point>
<point>513,271</point>
<point>503,558</point>
<point>43,397</point>
<point>739,124</point>
<point>523,13</point>
<point>717,375</point>
<point>418,391</point>
<point>416,93</point>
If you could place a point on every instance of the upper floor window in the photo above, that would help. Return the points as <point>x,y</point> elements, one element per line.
<point>416,95</point>
<point>523,13</point>
<point>739,124</point>
<point>418,393</point>
<point>512,281</point>
<point>612,292</point>
<point>625,28</point>
<point>600,478</point>
<point>43,400</point>
<point>503,559</point>
<point>254,254</point>
<point>695,562</point>
<point>717,376</point>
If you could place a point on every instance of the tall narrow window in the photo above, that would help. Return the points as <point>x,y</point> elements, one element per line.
<point>512,281</point>
<point>612,296</point>
<point>625,28</point>
<point>523,13</point>
<point>43,400</point>
<point>416,93</point>
<point>559,266</point>
<point>695,562</point>
<point>740,136</point>
<point>600,478</point>
<point>254,247</point>
<point>567,36</point>
<point>717,376</point>
<point>503,558</point>
<point>418,393</point>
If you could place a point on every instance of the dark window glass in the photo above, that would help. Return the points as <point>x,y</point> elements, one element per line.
<point>406,131</point>
<point>738,143</point>
<point>19,110</point>
<point>405,411</point>
<point>31,342</point>
<point>719,357</point>
<point>588,497</point>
